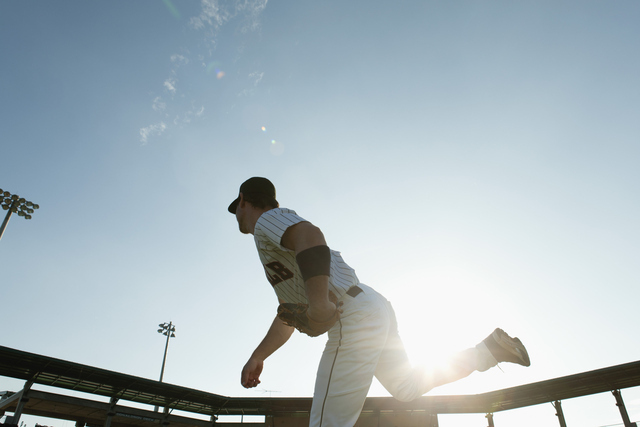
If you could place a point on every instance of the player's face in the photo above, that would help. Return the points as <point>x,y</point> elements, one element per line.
<point>242,217</point>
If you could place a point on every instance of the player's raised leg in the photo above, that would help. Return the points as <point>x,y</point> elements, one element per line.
<point>406,383</point>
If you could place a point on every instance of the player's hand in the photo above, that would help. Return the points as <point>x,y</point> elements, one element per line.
<point>251,373</point>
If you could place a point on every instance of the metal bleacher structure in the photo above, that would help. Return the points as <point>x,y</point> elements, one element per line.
<point>202,409</point>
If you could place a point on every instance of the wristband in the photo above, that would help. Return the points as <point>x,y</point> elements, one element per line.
<point>315,261</point>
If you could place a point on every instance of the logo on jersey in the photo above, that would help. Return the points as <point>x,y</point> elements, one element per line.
<point>276,272</point>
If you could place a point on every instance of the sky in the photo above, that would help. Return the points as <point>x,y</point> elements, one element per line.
<point>474,161</point>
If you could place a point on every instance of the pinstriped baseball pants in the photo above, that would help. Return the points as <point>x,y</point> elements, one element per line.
<point>363,344</point>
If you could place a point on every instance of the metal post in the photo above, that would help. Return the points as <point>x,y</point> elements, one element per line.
<point>489,418</point>
<point>20,405</point>
<point>6,218</point>
<point>623,409</point>
<point>112,411</point>
<point>168,330</point>
<point>559,413</point>
<point>166,347</point>
<point>165,416</point>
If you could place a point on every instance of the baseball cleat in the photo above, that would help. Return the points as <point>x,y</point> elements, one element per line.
<point>506,349</point>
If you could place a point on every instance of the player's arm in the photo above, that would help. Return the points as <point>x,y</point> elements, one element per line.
<point>307,239</point>
<point>278,334</point>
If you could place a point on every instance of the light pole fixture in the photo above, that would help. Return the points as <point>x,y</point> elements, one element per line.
<point>168,330</point>
<point>12,203</point>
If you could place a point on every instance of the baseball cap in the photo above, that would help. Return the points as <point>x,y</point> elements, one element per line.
<point>254,185</point>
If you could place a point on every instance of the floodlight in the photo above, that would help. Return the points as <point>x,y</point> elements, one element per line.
<point>15,204</point>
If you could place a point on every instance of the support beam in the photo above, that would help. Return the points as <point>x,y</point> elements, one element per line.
<point>111,412</point>
<point>489,418</point>
<point>20,406</point>
<point>623,409</point>
<point>559,413</point>
<point>433,420</point>
<point>165,416</point>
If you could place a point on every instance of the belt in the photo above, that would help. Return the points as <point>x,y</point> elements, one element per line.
<point>354,291</point>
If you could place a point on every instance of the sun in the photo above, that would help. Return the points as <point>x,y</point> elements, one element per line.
<point>442,319</point>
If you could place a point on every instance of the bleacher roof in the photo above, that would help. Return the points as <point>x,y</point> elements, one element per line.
<point>74,376</point>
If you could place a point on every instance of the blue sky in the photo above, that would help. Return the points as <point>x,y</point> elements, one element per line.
<point>474,161</point>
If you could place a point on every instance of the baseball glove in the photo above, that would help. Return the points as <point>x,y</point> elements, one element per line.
<point>295,315</point>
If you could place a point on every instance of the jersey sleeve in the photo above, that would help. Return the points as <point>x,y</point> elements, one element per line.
<point>272,225</point>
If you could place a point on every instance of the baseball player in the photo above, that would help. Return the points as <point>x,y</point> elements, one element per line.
<point>319,293</point>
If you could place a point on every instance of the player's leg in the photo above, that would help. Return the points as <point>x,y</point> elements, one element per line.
<point>406,382</point>
<point>349,361</point>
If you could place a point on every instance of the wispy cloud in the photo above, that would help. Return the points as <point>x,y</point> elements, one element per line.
<point>170,85</point>
<point>254,78</point>
<point>252,9</point>
<point>216,13</point>
<point>155,130</point>
<point>158,104</point>
<point>213,15</point>
<point>179,59</point>
<point>186,117</point>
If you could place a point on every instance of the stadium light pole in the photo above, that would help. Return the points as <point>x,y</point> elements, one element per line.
<point>167,329</point>
<point>12,203</point>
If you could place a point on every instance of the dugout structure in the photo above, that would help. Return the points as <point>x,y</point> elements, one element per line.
<point>202,409</point>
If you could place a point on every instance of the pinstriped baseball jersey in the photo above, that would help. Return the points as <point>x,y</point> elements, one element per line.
<point>280,263</point>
